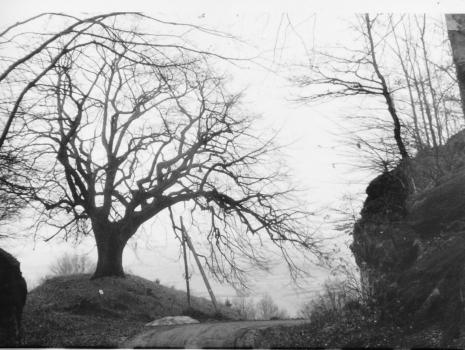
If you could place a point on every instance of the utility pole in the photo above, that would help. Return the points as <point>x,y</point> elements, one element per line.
<point>456,30</point>
<point>186,267</point>
<point>204,276</point>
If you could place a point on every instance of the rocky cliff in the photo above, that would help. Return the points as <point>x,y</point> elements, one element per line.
<point>410,240</point>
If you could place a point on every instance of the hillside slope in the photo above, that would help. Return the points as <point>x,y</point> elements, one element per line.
<point>74,311</point>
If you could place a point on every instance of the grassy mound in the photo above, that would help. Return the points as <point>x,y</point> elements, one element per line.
<point>74,311</point>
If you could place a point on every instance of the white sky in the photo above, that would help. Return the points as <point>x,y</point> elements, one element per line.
<point>314,147</point>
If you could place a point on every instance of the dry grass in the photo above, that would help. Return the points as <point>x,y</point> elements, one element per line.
<point>69,311</point>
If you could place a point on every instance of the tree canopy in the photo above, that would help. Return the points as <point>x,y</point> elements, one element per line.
<point>125,125</point>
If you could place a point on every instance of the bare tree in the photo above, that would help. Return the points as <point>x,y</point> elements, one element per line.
<point>403,63</point>
<point>245,308</point>
<point>27,57</point>
<point>268,310</point>
<point>336,298</point>
<point>357,76</point>
<point>126,126</point>
<point>12,66</point>
<point>72,36</point>
<point>385,89</point>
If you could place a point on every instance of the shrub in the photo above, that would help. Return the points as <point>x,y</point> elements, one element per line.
<point>336,300</point>
<point>342,317</point>
<point>69,264</point>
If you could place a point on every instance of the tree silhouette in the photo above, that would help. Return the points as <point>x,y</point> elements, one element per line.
<point>126,126</point>
<point>402,71</point>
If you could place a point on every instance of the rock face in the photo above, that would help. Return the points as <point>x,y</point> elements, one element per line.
<point>436,210</point>
<point>384,244</point>
<point>13,291</point>
<point>410,240</point>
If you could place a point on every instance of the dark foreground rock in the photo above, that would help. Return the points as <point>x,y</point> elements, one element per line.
<point>13,291</point>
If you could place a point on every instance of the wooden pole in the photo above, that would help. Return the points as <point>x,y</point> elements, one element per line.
<point>456,31</point>
<point>204,276</point>
<point>186,267</point>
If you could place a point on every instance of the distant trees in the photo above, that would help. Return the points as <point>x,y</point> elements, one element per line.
<point>126,125</point>
<point>403,67</point>
<point>263,309</point>
<point>244,308</point>
<point>268,310</point>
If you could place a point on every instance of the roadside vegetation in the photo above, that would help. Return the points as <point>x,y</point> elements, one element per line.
<point>340,318</point>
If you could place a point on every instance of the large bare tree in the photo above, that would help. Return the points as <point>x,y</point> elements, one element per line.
<point>127,126</point>
<point>30,50</point>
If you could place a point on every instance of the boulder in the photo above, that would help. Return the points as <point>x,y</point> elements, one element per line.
<point>171,320</point>
<point>13,291</point>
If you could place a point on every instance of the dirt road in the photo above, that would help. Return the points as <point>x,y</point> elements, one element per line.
<point>237,334</point>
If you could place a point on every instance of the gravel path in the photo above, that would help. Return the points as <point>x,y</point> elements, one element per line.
<point>237,334</point>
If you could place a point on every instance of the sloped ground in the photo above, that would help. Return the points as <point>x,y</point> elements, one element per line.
<point>71,311</point>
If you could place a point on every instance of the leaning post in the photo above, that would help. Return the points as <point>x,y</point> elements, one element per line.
<point>186,267</point>
<point>204,276</point>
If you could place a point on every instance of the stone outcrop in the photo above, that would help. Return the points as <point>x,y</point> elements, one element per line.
<point>384,243</point>
<point>410,240</point>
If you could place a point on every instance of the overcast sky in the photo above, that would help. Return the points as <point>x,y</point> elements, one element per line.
<point>280,32</point>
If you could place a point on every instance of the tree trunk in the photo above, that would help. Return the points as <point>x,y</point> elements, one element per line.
<point>417,136</point>
<point>110,246</point>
